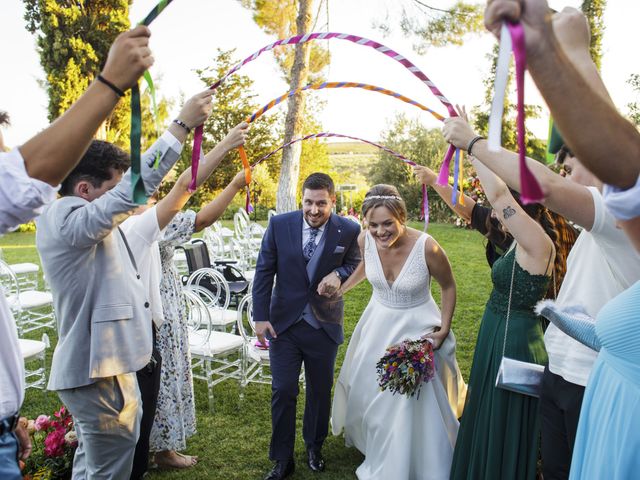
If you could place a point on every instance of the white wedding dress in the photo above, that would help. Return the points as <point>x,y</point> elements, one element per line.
<point>402,438</point>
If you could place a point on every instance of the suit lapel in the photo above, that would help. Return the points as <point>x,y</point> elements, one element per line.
<point>295,235</point>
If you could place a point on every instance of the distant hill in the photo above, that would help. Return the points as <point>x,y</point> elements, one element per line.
<point>352,158</point>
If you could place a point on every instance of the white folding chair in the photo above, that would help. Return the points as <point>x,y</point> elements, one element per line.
<point>256,359</point>
<point>215,356</point>
<point>32,309</point>
<point>215,293</point>
<point>34,351</point>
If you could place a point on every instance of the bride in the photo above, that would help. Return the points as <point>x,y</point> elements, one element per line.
<point>404,438</point>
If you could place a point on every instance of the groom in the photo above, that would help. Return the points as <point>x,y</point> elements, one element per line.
<point>310,252</point>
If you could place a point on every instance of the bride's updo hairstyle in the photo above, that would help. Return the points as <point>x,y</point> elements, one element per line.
<point>385,196</point>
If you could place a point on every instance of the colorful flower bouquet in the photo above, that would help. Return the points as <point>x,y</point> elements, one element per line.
<point>405,367</point>
<point>54,444</point>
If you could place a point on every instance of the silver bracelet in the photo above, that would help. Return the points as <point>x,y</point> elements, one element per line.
<point>177,121</point>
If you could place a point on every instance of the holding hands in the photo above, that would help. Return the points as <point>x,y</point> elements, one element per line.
<point>329,286</point>
<point>129,56</point>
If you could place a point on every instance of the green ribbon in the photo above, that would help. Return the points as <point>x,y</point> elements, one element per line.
<point>139,194</point>
<point>154,107</point>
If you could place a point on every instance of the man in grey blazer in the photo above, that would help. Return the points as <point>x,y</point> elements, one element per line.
<point>104,320</point>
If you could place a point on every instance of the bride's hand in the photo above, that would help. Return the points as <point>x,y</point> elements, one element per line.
<point>437,337</point>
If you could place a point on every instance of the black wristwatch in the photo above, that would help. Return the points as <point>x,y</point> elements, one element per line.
<point>338,274</point>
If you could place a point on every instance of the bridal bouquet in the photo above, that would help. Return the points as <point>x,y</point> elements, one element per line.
<point>406,366</point>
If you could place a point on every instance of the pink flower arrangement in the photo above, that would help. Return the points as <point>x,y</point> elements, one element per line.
<point>54,443</point>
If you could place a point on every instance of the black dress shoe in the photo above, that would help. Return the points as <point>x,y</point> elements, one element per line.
<point>315,460</point>
<point>282,469</point>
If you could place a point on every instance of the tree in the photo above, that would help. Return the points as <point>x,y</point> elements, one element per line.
<point>594,11</point>
<point>442,27</point>
<point>634,107</point>
<point>411,139</point>
<point>233,102</point>
<point>73,39</point>
<point>285,18</point>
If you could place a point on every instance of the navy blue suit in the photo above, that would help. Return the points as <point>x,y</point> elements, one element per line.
<point>297,340</point>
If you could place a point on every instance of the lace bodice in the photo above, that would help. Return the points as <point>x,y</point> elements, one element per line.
<point>411,288</point>
<point>528,289</point>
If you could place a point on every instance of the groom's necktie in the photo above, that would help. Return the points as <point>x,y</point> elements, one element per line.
<point>310,246</point>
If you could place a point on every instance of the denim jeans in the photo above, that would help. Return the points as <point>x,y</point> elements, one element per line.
<point>9,469</point>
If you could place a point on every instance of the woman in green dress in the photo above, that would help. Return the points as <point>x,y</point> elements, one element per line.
<point>499,429</point>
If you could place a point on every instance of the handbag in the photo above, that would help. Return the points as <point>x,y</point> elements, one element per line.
<point>515,375</point>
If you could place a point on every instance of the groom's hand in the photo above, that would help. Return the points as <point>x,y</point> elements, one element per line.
<point>262,328</point>
<point>329,285</point>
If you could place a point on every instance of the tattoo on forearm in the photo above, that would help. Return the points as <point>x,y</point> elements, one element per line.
<point>508,212</point>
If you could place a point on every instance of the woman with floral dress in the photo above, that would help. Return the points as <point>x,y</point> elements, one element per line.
<point>175,419</point>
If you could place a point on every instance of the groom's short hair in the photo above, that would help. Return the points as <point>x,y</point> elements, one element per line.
<point>319,181</point>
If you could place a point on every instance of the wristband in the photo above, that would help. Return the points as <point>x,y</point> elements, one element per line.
<point>117,91</point>
<point>473,142</point>
<point>177,121</point>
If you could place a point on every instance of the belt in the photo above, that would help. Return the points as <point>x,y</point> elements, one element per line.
<point>9,424</point>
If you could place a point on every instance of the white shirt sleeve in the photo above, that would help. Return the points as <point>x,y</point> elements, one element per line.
<point>21,197</point>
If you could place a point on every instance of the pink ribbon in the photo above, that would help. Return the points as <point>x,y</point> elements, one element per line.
<point>530,191</point>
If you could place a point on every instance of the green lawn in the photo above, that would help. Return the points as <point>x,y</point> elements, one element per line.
<point>232,442</point>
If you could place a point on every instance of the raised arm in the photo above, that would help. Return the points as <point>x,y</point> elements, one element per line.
<point>180,194</point>
<point>428,177</point>
<point>53,153</point>
<point>532,239</point>
<point>604,141</point>
<point>440,270</point>
<point>214,209</point>
<point>567,198</point>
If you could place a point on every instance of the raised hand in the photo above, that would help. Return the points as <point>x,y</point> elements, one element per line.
<point>197,109</point>
<point>129,56</point>
<point>237,136</point>
<point>534,15</point>
<point>457,130</point>
<point>425,174</point>
<point>239,181</point>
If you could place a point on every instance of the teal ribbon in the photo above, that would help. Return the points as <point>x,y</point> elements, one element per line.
<point>139,194</point>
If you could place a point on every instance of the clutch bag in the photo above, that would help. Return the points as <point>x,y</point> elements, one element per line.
<point>520,377</point>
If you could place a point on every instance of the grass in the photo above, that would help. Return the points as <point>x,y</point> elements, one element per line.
<point>233,441</point>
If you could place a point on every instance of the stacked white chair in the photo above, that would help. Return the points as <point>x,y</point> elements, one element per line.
<point>216,356</point>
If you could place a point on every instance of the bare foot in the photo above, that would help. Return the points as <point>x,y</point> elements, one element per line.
<point>172,459</point>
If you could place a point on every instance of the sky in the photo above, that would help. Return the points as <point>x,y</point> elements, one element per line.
<point>188,33</point>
